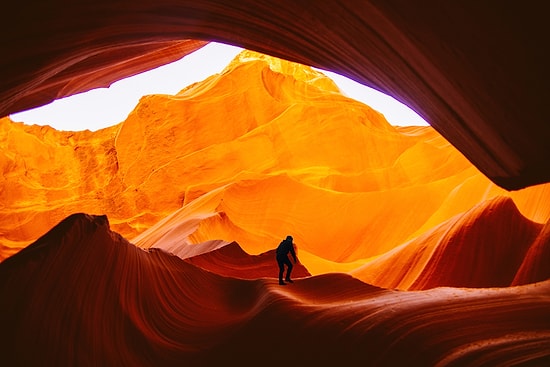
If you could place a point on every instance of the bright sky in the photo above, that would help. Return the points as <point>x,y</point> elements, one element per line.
<point>105,107</point>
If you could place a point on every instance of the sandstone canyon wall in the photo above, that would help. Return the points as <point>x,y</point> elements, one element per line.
<point>205,183</point>
<point>266,148</point>
<point>192,192</point>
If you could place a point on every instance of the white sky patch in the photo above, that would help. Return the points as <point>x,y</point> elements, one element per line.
<point>103,107</point>
<point>394,111</point>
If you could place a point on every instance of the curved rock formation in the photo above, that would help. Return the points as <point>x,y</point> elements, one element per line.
<point>483,247</point>
<point>476,71</point>
<point>193,168</point>
<point>83,295</point>
<point>534,267</point>
<point>270,148</point>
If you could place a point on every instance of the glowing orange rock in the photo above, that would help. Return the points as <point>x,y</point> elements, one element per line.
<point>267,172</point>
<point>265,149</point>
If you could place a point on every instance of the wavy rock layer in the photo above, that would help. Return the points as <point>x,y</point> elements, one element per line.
<point>476,71</point>
<point>483,247</point>
<point>83,295</point>
<point>193,168</point>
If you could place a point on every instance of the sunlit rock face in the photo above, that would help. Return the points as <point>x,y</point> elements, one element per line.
<point>265,149</point>
<point>408,255</point>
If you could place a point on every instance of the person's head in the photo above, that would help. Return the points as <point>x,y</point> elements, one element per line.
<point>289,238</point>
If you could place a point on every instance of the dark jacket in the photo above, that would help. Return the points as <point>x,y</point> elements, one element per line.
<point>284,248</point>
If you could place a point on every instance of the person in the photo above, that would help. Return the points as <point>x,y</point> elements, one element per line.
<point>283,249</point>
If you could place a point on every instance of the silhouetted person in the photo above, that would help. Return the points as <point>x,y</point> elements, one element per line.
<point>284,248</point>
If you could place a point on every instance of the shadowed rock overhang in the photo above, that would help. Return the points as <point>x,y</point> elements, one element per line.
<point>476,71</point>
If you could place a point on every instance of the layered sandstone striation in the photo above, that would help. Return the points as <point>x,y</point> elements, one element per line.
<point>82,294</point>
<point>196,190</point>
<point>483,247</point>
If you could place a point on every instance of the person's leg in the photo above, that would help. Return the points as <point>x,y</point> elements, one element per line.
<point>281,270</point>
<point>289,270</point>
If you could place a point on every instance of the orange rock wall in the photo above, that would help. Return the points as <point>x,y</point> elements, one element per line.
<point>265,149</point>
<point>207,182</point>
<point>82,294</point>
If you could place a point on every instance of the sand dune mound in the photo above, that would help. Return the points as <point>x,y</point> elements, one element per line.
<point>483,247</point>
<point>83,295</point>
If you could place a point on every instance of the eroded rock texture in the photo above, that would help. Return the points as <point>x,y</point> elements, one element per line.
<point>204,184</point>
<point>477,71</point>
<point>264,149</point>
<point>83,295</point>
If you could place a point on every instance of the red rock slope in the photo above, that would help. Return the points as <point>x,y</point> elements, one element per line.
<point>483,247</point>
<point>230,260</point>
<point>534,267</point>
<point>83,295</point>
